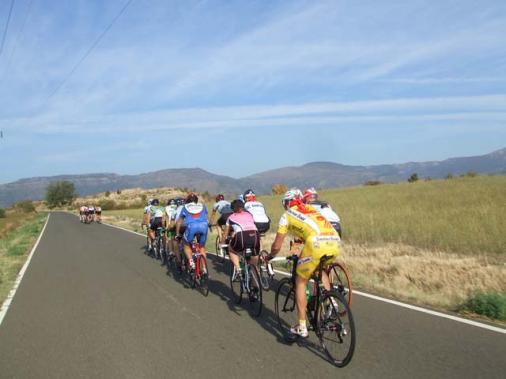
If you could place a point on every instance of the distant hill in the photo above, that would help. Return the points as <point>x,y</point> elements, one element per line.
<point>318,174</point>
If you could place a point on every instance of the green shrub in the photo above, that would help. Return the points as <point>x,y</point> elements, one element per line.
<point>492,305</point>
<point>413,178</point>
<point>2,213</point>
<point>26,206</point>
<point>107,205</point>
<point>107,193</point>
<point>373,183</point>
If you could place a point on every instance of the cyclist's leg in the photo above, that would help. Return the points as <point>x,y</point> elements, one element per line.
<point>188,236</point>
<point>201,230</point>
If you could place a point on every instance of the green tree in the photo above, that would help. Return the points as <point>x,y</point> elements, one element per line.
<point>60,193</point>
<point>2,213</point>
<point>413,178</point>
<point>25,205</point>
<point>107,193</point>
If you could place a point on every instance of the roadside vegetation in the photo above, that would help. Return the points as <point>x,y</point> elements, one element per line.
<point>436,243</point>
<point>18,232</point>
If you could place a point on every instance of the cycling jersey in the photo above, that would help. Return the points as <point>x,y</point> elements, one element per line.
<point>195,219</point>
<point>146,209</point>
<point>257,210</point>
<point>170,211</point>
<point>156,211</point>
<point>178,211</point>
<point>223,207</point>
<point>319,237</point>
<point>241,222</point>
<point>326,211</point>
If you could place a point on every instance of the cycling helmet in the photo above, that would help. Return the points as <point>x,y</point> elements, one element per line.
<point>191,198</point>
<point>171,202</point>
<point>310,194</point>
<point>149,201</point>
<point>237,204</point>
<point>220,197</point>
<point>249,195</point>
<point>155,202</point>
<point>179,201</point>
<point>291,197</point>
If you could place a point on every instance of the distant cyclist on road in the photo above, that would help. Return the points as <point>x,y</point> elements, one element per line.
<point>194,217</point>
<point>306,224</point>
<point>311,197</point>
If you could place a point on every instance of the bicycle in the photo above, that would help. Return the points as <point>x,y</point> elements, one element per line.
<point>221,252</point>
<point>328,315</point>
<point>200,275</point>
<point>340,280</point>
<point>247,283</point>
<point>265,270</point>
<point>159,245</point>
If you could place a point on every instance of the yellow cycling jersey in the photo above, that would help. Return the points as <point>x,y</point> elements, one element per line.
<point>320,238</point>
<point>305,223</point>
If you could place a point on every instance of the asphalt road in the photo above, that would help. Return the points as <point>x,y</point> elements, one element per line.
<point>92,305</point>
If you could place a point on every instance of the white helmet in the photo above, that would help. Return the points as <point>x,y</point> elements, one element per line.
<point>310,194</point>
<point>290,195</point>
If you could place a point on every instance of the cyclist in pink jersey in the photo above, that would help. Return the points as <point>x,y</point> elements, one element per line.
<point>244,234</point>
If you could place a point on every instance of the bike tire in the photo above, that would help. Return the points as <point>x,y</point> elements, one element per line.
<point>235,286</point>
<point>255,285</point>
<point>336,328</point>
<point>204,275</point>
<point>265,278</point>
<point>286,308</point>
<point>340,280</point>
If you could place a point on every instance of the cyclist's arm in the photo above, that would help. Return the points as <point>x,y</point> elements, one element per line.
<point>277,244</point>
<point>179,222</point>
<point>224,235</point>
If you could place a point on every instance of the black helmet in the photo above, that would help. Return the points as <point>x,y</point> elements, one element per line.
<point>171,202</point>
<point>237,204</point>
<point>191,198</point>
<point>179,201</point>
<point>155,202</point>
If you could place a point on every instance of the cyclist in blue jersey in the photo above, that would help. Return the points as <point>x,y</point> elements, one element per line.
<point>194,216</point>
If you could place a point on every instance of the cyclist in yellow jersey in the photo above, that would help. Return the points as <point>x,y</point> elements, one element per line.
<point>319,238</point>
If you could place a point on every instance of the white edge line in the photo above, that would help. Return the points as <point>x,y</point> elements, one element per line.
<point>6,304</point>
<point>385,300</point>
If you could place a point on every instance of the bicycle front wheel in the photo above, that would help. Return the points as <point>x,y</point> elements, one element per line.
<point>265,278</point>
<point>235,285</point>
<point>340,280</point>
<point>336,329</point>
<point>255,291</point>
<point>285,307</point>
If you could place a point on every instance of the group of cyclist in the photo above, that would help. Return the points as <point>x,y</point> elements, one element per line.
<point>90,213</point>
<point>313,225</point>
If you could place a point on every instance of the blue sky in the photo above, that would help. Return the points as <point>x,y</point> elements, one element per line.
<point>237,87</point>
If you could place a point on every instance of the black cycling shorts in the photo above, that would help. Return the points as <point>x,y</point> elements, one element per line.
<point>223,219</point>
<point>263,227</point>
<point>246,240</point>
<point>156,223</point>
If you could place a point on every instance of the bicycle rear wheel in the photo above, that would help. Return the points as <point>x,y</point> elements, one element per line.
<point>340,280</point>
<point>235,285</point>
<point>255,291</point>
<point>285,308</point>
<point>336,329</point>
<point>203,278</point>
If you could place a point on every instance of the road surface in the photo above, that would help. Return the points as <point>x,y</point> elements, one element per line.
<point>92,305</point>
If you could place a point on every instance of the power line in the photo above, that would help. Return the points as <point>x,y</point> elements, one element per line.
<point>6,27</point>
<point>88,52</point>
<point>20,34</point>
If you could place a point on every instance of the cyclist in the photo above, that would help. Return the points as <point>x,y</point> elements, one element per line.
<point>82,212</point>
<point>156,220</point>
<point>194,216</point>
<point>145,217</point>
<point>245,235</point>
<point>224,209</point>
<point>98,214</point>
<point>257,210</point>
<point>307,225</point>
<point>311,197</point>
<point>91,213</point>
<point>170,211</point>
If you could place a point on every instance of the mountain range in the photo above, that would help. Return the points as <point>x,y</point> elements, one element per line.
<point>317,174</point>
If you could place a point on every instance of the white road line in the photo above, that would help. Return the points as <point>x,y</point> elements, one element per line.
<point>389,301</point>
<point>6,304</point>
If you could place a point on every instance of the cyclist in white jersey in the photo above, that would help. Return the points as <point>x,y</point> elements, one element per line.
<point>257,210</point>
<point>170,212</point>
<point>224,209</point>
<point>311,198</point>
